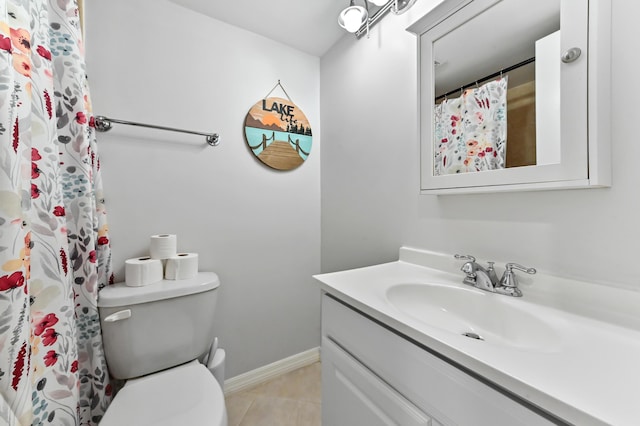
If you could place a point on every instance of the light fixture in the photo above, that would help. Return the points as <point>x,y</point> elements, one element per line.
<point>402,6</point>
<point>356,19</point>
<point>353,17</point>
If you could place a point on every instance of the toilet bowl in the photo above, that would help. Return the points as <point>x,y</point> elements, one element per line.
<point>153,337</point>
<point>180,396</point>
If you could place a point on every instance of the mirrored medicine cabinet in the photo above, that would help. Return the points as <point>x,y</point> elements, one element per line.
<point>514,95</point>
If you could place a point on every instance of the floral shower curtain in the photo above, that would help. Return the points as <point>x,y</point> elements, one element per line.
<point>54,244</point>
<point>471,131</point>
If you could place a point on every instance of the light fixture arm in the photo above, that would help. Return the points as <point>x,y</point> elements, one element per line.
<point>364,29</point>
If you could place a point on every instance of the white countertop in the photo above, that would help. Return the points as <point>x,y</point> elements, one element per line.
<point>589,376</point>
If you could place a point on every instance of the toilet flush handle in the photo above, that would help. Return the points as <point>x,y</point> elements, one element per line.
<point>117,316</point>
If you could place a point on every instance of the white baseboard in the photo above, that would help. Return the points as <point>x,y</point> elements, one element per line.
<point>270,371</point>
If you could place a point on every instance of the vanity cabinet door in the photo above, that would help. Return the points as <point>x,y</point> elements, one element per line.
<point>353,395</point>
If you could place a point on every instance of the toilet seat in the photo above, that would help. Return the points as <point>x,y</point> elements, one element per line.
<point>183,395</point>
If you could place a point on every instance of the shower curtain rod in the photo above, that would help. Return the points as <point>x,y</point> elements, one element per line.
<point>488,77</point>
<point>103,124</point>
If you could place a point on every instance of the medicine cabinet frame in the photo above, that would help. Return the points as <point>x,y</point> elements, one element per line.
<point>585,160</point>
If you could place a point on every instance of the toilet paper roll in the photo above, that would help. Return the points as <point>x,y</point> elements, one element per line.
<point>163,246</point>
<point>182,266</point>
<point>142,271</point>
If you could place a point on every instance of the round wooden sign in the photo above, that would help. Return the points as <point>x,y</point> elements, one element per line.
<point>278,133</point>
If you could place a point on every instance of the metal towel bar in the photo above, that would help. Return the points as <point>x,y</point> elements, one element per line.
<point>103,124</point>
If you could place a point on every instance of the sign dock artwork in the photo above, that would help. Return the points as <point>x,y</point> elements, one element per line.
<point>278,133</point>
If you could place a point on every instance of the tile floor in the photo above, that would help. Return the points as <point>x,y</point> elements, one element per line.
<point>292,399</point>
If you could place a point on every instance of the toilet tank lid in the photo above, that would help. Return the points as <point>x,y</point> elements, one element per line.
<point>122,295</point>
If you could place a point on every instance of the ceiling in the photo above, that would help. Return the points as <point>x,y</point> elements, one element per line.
<point>307,25</point>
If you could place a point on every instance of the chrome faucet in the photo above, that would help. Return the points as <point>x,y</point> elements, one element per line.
<point>486,278</point>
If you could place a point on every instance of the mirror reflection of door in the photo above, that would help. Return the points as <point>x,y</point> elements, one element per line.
<point>517,41</point>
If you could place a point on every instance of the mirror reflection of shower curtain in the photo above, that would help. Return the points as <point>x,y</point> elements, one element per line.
<point>54,241</point>
<point>470,132</point>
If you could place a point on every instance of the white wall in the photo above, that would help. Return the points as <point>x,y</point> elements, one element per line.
<point>370,172</point>
<point>259,229</point>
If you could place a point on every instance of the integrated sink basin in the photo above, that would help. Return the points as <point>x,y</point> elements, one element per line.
<point>486,317</point>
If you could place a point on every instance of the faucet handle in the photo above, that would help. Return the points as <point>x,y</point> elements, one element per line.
<point>509,278</point>
<point>465,257</point>
<point>511,266</point>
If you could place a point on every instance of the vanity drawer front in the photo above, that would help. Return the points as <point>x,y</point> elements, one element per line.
<point>433,385</point>
<point>353,395</point>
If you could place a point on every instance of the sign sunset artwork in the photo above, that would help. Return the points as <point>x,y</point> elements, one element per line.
<point>278,133</point>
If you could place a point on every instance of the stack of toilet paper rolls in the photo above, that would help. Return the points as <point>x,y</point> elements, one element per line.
<point>163,262</point>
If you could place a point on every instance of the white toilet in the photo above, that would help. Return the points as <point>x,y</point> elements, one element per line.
<point>153,337</point>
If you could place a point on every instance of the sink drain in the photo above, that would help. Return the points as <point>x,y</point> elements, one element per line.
<point>473,335</point>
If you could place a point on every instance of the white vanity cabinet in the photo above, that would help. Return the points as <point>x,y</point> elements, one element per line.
<point>372,375</point>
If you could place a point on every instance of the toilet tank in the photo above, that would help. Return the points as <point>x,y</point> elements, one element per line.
<point>158,326</point>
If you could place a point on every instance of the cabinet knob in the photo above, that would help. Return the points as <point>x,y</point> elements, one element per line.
<point>571,55</point>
